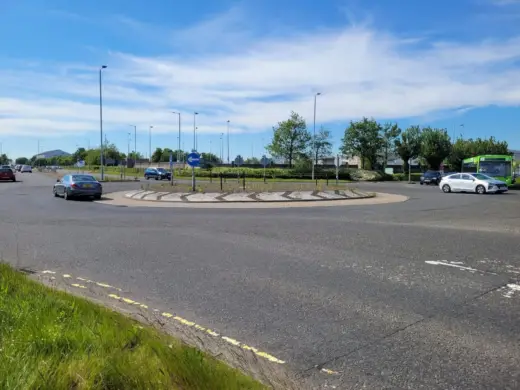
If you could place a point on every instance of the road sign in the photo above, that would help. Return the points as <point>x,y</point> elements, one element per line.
<point>193,159</point>
<point>239,160</point>
<point>80,164</point>
<point>171,159</point>
<point>265,161</point>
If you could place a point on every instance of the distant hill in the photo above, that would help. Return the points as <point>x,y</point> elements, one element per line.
<point>53,153</point>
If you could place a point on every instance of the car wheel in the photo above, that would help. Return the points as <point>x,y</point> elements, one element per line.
<point>422,183</point>
<point>55,193</point>
<point>14,180</point>
<point>156,177</point>
<point>481,190</point>
<point>97,197</point>
<point>147,178</point>
<point>446,188</point>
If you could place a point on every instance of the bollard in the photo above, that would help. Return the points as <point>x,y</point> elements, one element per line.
<point>244,182</point>
<point>221,188</point>
<point>327,177</point>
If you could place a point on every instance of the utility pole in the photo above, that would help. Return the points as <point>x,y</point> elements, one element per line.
<point>101,122</point>
<point>178,137</point>
<point>228,141</point>
<point>314,151</point>
<point>150,144</point>
<point>195,131</point>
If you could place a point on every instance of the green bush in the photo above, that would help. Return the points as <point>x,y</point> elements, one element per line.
<point>404,176</point>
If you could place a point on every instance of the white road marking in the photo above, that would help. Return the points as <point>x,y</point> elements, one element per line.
<point>456,265</point>
<point>510,290</point>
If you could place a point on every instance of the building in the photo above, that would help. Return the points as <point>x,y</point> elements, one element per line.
<point>52,154</point>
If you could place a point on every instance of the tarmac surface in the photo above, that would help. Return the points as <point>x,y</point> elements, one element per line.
<point>421,294</point>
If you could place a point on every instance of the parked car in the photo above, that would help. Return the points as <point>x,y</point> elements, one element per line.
<point>472,182</point>
<point>431,177</point>
<point>17,167</point>
<point>157,174</point>
<point>78,186</point>
<point>26,169</point>
<point>7,174</point>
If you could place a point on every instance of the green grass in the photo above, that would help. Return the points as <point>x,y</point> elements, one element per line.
<point>52,340</point>
<point>234,186</point>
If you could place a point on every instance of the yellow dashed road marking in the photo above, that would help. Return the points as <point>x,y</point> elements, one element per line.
<point>183,321</point>
<point>330,372</point>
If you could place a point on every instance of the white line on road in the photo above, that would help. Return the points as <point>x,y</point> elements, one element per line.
<point>456,264</point>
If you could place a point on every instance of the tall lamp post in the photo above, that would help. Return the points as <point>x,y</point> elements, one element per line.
<point>178,137</point>
<point>135,149</point>
<point>195,130</point>
<point>314,157</point>
<point>101,122</point>
<point>150,143</point>
<point>228,141</point>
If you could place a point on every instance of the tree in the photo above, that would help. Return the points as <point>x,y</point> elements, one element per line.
<point>22,160</point>
<point>165,156</point>
<point>409,146</point>
<point>290,139</point>
<point>435,146</point>
<point>363,139</point>
<point>466,148</point>
<point>252,161</point>
<point>157,155</point>
<point>389,133</point>
<point>4,159</point>
<point>80,154</point>
<point>210,158</point>
<point>322,144</point>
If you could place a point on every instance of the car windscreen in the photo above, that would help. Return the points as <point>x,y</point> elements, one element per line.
<point>83,178</point>
<point>431,174</point>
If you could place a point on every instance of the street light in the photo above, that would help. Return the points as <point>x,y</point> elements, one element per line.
<point>228,141</point>
<point>128,154</point>
<point>150,143</point>
<point>194,131</point>
<point>221,147</point>
<point>314,152</point>
<point>135,147</point>
<point>178,137</point>
<point>101,122</point>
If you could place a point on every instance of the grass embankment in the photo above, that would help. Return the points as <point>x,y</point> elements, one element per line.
<point>52,340</point>
<point>235,186</point>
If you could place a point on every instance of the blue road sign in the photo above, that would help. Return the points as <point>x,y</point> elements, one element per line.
<point>239,160</point>
<point>193,159</point>
<point>80,164</point>
<point>265,161</point>
<point>171,159</point>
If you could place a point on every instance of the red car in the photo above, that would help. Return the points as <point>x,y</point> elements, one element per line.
<point>7,174</point>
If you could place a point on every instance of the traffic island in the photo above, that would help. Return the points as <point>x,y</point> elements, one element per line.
<point>239,197</point>
<point>245,200</point>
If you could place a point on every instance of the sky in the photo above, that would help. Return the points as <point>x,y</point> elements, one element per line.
<point>438,63</point>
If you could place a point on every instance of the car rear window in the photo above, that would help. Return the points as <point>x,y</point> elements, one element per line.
<point>6,170</point>
<point>83,178</point>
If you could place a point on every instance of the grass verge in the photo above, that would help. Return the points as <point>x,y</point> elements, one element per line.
<point>53,340</point>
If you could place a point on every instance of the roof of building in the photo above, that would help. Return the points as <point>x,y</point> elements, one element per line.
<point>53,153</point>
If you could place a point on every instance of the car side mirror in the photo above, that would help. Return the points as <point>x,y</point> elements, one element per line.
<point>58,180</point>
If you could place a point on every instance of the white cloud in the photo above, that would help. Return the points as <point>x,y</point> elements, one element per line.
<point>359,70</point>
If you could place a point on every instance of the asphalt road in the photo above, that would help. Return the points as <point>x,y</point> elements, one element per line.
<point>356,290</point>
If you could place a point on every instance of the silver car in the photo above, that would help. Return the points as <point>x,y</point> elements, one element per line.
<point>78,186</point>
<point>472,182</point>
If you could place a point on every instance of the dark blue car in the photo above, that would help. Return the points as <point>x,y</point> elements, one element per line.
<point>157,174</point>
<point>78,186</point>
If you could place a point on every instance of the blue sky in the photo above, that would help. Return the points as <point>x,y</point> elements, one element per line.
<point>442,63</point>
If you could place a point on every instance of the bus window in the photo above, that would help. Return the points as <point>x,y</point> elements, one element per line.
<point>469,167</point>
<point>495,168</point>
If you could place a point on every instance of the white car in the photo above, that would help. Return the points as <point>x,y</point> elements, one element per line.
<point>472,182</point>
<point>26,168</point>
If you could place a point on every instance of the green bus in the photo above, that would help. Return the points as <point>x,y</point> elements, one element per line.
<point>498,166</point>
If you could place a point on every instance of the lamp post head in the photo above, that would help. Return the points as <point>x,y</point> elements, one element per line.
<point>103,66</point>
<point>195,113</point>
<point>318,93</point>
